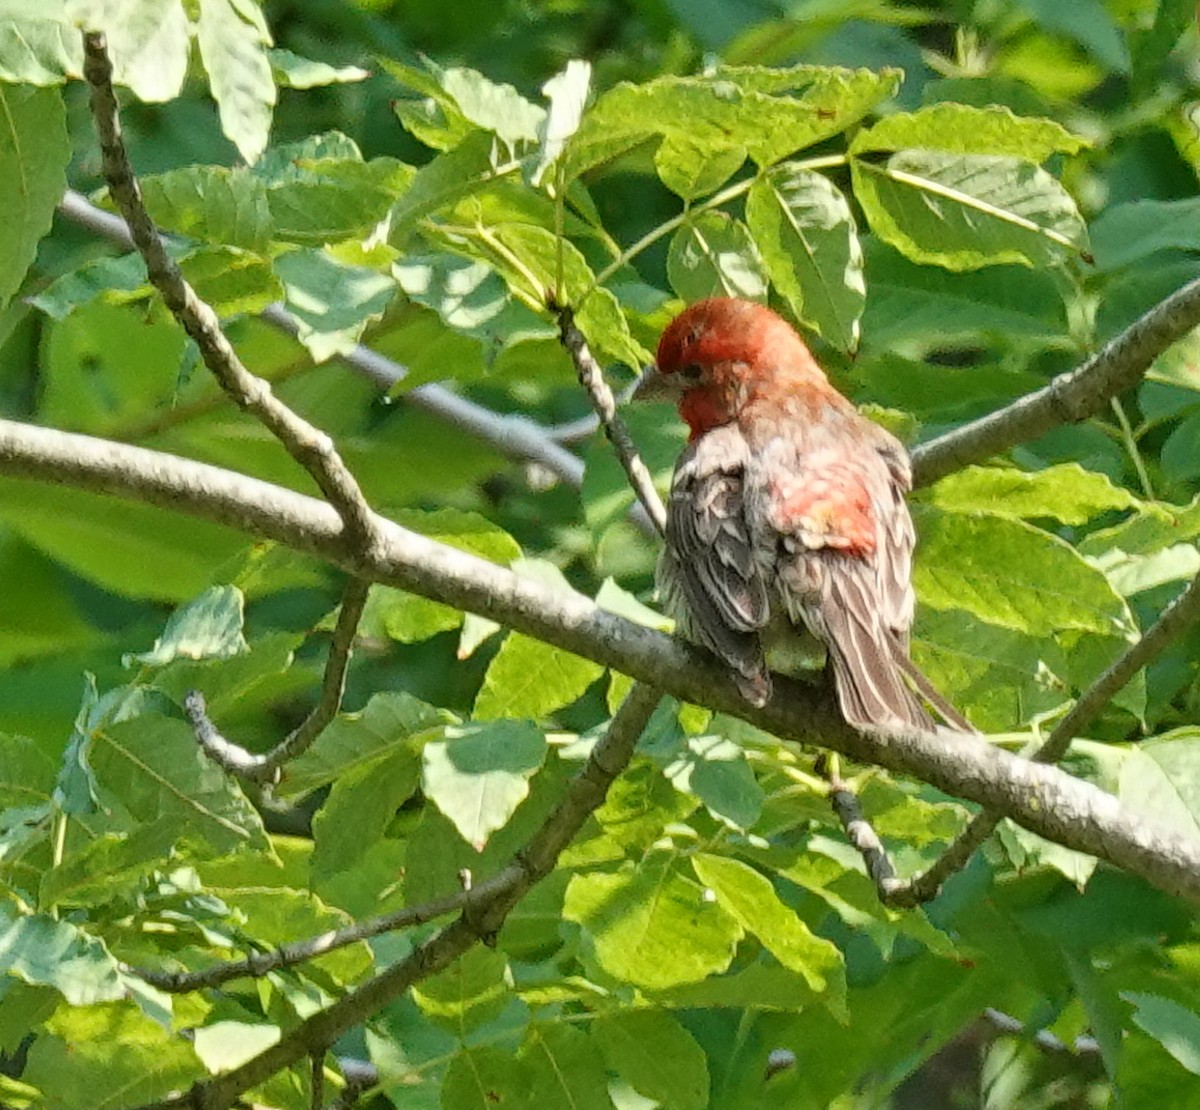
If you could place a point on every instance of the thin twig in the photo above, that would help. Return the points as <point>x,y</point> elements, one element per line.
<point>591,377</point>
<point>309,446</point>
<point>1174,620</point>
<point>265,767</point>
<point>1010,1026</point>
<point>485,909</point>
<point>301,951</point>
<point>859,830</point>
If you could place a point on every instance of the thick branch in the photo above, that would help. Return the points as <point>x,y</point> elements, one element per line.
<point>1070,397</point>
<point>486,907</point>
<point>1042,799</point>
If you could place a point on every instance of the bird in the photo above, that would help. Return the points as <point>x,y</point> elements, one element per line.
<point>787,521</point>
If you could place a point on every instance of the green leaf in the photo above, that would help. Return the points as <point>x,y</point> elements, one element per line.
<point>528,256</point>
<point>332,302</point>
<point>567,92</point>
<point>40,618</point>
<point>716,771</point>
<point>805,231</point>
<point>43,951</point>
<point>468,296</point>
<point>76,1049</point>
<point>480,774</point>
<point>360,808</point>
<point>1066,492</point>
<point>208,627</point>
<point>408,618</point>
<point>484,1078</point>
<point>564,1068</point>
<point>963,211</point>
<point>633,918</point>
<point>115,544</point>
<point>447,178</point>
<point>497,108</point>
<point>152,767</point>
<point>1127,233</point>
<point>714,255</point>
<point>231,281</point>
<point>294,72</point>
<point>1175,1027</point>
<point>466,531</point>
<point>1027,850</point>
<point>472,990</point>
<point>962,129</point>
<point>656,1056</point>
<point>1161,779</point>
<point>925,304</point>
<point>391,722</point>
<point>529,678</point>
<point>38,49</point>
<point>147,42</point>
<point>233,48</point>
<point>693,170</point>
<point>999,678</point>
<point>108,277</point>
<point>225,1045</point>
<point>751,899</point>
<point>34,152</point>
<point>1007,572</point>
<point>1089,24</point>
<point>329,199</point>
<point>768,112</point>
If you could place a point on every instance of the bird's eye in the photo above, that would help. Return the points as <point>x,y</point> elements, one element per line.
<point>692,372</point>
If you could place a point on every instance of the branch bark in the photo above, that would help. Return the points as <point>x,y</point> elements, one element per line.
<point>1069,398</point>
<point>486,907</point>
<point>309,446</point>
<point>1042,799</point>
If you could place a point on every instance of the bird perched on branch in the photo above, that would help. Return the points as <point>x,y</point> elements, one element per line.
<point>787,516</point>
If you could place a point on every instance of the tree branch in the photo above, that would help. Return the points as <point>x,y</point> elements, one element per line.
<point>309,446</point>
<point>591,377</point>
<point>485,908</point>
<point>1070,397</point>
<point>515,437</point>
<point>1174,620</point>
<point>1042,799</point>
<point>298,952</point>
<point>263,767</point>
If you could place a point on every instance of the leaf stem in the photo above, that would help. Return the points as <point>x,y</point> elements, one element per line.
<point>737,189</point>
<point>1130,441</point>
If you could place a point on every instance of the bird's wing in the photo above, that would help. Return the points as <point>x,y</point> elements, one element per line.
<point>708,574</point>
<point>834,496</point>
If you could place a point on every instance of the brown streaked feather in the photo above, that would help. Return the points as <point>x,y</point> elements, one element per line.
<point>708,575</point>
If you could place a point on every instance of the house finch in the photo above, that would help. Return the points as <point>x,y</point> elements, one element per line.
<point>786,515</point>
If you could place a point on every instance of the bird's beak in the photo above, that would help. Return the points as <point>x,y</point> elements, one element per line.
<point>654,385</point>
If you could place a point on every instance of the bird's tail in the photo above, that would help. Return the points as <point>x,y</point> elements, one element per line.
<point>877,684</point>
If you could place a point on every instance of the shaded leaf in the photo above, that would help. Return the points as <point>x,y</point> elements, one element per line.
<point>805,231</point>
<point>480,774</point>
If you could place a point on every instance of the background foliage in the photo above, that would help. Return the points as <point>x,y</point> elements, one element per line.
<point>956,200</point>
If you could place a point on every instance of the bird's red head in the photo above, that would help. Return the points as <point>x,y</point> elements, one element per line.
<point>722,354</point>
